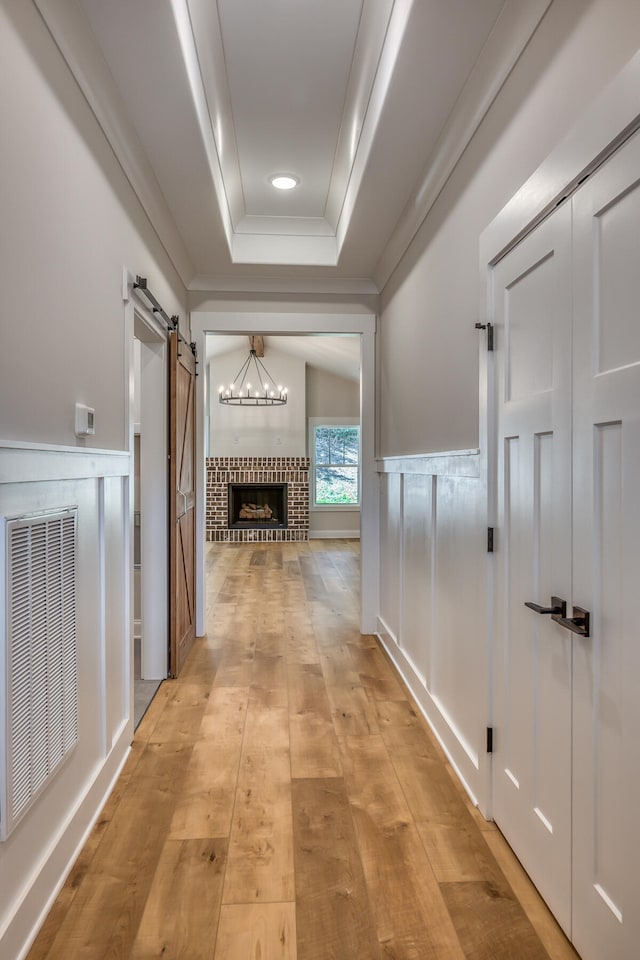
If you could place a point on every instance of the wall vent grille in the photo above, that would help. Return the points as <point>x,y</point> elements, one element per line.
<point>39,695</point>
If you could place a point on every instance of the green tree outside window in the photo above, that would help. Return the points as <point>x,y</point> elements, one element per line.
<point>337,465</point>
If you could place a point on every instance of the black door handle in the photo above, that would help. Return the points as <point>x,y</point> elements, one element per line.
<point>579,623</point>
<point>558,607</point>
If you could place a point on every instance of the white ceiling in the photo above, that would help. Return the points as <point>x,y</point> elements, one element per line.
<point>369,102</point>
<point>337,355</point>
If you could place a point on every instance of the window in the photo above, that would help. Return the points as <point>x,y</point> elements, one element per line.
<point>335,463</point>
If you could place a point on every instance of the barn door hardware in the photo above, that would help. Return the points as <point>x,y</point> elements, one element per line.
<point>579,623</point>
<point>171,322</point>
<point>557,609</point>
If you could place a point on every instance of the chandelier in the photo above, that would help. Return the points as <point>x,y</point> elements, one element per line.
<point>253,386</point>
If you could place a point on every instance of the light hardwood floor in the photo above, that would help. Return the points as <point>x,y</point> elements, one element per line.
<point>284,800</point>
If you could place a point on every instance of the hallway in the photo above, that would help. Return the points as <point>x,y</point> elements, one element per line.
<point>283,800</point>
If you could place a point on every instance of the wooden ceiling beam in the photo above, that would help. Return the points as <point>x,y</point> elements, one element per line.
<point>257,344</point>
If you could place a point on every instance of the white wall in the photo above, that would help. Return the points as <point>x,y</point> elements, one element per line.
<point>435,572</point>
<point>428,310</point>
<point>237,431</point>
<point>70,223</point>
<point>329,395</point>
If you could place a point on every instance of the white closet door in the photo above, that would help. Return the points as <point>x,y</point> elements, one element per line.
<point>531,309</point>
<point>606,570</point>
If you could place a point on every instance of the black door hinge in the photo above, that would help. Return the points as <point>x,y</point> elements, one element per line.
<point>489,539</point>
<point>489,328</point>
<point>489,739</point>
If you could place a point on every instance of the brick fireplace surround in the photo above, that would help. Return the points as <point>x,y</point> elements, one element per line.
<point>221,471</point>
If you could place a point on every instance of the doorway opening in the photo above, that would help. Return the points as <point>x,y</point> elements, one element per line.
<point>309,328</point>
<point>149,554</point>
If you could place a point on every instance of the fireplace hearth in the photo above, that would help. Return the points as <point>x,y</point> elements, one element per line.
<point>224,523</point>
<point>257,506</point>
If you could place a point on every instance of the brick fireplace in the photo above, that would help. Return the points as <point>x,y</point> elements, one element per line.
<point>256,472</point>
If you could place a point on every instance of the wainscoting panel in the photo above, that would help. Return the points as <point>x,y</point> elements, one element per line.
<point>42,847</point>
<point>117,644</point>
<point>418,546</point>
<point>390,551</point>
<point>433,608</point>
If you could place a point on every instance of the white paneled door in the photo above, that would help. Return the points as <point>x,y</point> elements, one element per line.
<point>566,772</point>
<point>532,690</point>
<point>606,565</point>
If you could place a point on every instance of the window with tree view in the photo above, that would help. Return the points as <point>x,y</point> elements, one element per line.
<point>336,452</point>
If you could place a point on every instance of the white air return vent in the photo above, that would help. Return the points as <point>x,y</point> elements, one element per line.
<point>39,685</point>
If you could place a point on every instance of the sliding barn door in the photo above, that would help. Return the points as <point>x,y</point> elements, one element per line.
<point>182,369</point>
<point>606,565</point>
<point>531,293</point>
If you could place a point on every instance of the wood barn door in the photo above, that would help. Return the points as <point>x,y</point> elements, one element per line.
<point>182,371</point>
<point>566,770</point>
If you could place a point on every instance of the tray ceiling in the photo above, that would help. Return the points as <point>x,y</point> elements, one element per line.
<point>352,97</point>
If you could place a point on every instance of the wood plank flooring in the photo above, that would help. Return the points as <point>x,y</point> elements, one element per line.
<point>284,800</point>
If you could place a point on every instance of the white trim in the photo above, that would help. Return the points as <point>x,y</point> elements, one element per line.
<point>199,328</point>
<point>49,877</point>
<point>285,285</point>
<point>334,534</point>
<point>607,122</point>
<point>182,20</point>
<point>510,35</point>
<point>24,462</point>
<point>457,463</point>
<point>141,324</point>
<point>384,77</point>
<point>459,754</point>
<point>284,250</point>
<point>312,424</point>
<point>278,323</point>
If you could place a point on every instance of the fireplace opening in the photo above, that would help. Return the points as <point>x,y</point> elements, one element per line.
<point>257,506</point>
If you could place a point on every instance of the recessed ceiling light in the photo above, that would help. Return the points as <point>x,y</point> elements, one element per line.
<point>283,181</point>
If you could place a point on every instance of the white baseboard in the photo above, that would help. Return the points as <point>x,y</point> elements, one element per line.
<point>334,534</point>
<point>22,929</point>
<point>462,759</point>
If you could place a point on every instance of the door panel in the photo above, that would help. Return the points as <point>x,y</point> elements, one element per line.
<point>606,564</point>
<point>532,676</point>
<point>182,499</point>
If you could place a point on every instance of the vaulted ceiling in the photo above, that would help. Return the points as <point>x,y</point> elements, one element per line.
<point>367,103</point>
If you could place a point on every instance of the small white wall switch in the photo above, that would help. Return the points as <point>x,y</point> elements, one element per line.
<point>85,420</point>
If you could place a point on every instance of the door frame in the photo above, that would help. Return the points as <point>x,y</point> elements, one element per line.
<point>281,324</point>
<point>140,324</point>
<point>607,123</point>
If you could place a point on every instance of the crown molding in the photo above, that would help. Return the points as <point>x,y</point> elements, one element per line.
<point>512,31</point>
<point>71,33</point>
<point>322,286</point>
